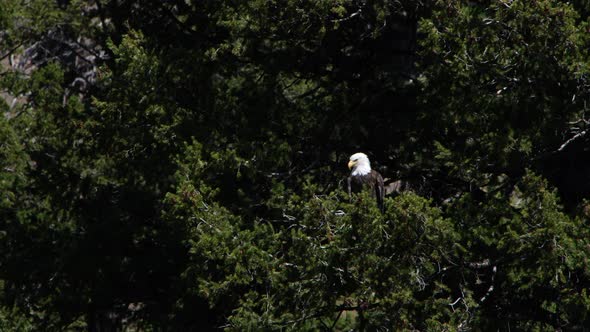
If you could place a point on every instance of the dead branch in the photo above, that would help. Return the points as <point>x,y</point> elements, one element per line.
<point>575,137</point>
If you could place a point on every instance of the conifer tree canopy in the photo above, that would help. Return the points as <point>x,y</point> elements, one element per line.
<point>181,165</point>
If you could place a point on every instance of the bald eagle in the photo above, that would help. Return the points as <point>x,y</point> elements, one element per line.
<point>363,177</point>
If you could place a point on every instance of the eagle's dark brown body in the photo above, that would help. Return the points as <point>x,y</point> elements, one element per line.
<point>372,181</point>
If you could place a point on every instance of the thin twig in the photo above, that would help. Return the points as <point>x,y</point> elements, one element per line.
<point>336,320</point>
<point>10,51</point>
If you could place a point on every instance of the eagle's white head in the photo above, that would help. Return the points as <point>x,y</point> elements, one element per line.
<point>359,164</point>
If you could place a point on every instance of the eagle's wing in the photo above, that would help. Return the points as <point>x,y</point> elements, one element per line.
<point>379,190</point>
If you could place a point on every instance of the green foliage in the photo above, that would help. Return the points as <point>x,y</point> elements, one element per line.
<point>12,165</point>
<point>537,251</point>
<point>12,320</point>
<point>180,165</point>
<point>320,262</point>
<point>503,97</point>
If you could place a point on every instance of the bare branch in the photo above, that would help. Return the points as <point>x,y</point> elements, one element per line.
<point>491,289</point>
<point>480,265</point>
<point>576,136</point>
<point>358,12</point>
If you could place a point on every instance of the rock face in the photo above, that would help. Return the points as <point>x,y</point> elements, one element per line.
<point>80,55</point>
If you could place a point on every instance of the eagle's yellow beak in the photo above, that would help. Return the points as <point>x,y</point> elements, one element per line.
<point>350,164</point>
